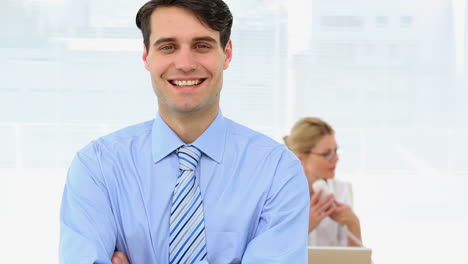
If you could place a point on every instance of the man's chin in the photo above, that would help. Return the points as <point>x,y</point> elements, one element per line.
<point>189,107</point>
<point>189,110</point>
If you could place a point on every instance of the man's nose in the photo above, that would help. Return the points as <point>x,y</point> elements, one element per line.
<point>185,60</point>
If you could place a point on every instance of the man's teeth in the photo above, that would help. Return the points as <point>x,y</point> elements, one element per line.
<point>186,82</point>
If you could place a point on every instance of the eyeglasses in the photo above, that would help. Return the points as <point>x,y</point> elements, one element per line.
<point>329,155</point>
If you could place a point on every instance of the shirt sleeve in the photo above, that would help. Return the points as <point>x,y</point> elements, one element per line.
<point>281,235</point>
<point>87,226</point>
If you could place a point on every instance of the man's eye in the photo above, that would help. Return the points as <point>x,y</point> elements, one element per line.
<point>167,47</point>
<point>202,46</point>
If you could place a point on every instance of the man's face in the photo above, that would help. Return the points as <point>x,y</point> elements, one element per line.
<point>186,62</point>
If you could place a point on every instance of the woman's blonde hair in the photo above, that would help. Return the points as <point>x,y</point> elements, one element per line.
<point>305,134</point>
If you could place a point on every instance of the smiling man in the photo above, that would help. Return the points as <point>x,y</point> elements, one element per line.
<point>190,186</point>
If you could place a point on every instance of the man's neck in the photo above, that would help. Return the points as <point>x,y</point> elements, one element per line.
<point>189,126</point>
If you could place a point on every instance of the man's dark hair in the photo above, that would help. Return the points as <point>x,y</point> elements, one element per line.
<point>213,13</point>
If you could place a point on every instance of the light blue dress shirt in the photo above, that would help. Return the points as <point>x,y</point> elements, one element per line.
<point>119,189</point>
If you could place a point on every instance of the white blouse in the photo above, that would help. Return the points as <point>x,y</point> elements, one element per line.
<point>329,232</point>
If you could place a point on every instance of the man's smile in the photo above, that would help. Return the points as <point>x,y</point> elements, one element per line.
<point>193,82</point>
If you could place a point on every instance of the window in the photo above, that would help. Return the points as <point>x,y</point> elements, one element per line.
<point>406,21</point>
<point>381,21</point>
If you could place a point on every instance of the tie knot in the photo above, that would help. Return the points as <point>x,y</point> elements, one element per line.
<point>189,156</point>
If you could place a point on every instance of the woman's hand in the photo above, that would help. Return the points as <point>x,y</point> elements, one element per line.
<point>319,209</point>
<point>344,215</point>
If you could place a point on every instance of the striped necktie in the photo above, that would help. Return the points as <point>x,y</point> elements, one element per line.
<point>187,242</point>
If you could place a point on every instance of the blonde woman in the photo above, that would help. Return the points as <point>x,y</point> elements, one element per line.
<point>332,221</point>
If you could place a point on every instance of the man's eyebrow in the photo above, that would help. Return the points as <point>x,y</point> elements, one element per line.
<point>207,38</point>
<point>163,40</point>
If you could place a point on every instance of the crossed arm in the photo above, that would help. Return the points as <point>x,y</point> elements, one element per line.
<point>89,231</point>
<point>119,258</point>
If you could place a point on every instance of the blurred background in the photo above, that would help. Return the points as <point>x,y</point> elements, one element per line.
<point>390,76</point>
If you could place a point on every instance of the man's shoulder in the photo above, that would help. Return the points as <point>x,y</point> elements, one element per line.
<point>239,133</point>
<point>257,143</point>
<point>119,149</point>
<point>136,130</point>
<point>123,138</point>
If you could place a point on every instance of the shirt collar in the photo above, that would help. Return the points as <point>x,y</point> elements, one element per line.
<point>211,142</point>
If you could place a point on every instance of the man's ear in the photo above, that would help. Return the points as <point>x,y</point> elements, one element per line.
<point>228,54</point>
<point>145,58</point>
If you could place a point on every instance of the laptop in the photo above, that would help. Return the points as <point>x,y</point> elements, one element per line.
<point>339,255</point>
